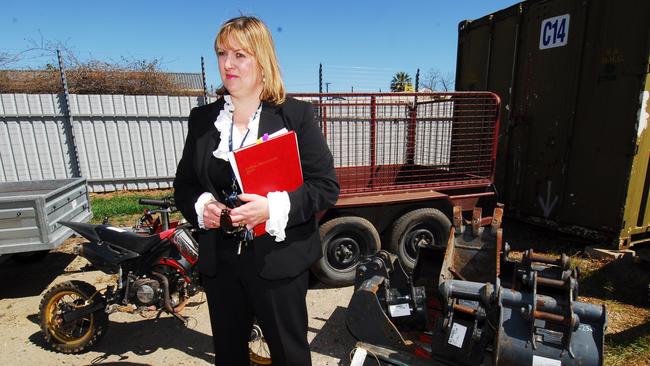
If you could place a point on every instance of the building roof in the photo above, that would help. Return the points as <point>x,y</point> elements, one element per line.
<point>187,80</point>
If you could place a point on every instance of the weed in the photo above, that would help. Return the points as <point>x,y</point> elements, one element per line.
<point>125,203</point>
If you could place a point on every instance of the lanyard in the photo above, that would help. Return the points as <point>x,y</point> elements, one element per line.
<point>247,131</point>
<point>230,137</point>
<point>247,235</point>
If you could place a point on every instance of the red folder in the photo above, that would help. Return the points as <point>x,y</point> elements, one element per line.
<point>273,165</point>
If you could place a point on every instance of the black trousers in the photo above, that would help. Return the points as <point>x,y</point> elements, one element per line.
<point>237,295</point>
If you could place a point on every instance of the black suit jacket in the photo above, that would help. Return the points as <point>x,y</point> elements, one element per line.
<point>301,248</point>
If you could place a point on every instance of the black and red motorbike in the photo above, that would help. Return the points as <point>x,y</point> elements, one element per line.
<point>155,268</point>
<point>154,273</point>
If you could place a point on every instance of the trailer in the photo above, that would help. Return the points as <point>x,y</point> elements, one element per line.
<point>30,211</point>
<point>403,161</point>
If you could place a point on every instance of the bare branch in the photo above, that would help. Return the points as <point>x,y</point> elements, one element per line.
<point>435,80</point>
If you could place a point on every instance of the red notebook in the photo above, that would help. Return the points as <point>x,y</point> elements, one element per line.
<point>269,166</point>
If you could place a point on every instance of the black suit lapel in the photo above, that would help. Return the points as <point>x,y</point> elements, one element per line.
<point>270,119</point>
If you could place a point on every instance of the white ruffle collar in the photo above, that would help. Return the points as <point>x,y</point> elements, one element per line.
<point>224,122</point>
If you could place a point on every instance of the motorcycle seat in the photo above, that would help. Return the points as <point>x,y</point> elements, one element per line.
<point>128,240</point>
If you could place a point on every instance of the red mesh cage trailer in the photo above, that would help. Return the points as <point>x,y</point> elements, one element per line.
<point>403,160</point>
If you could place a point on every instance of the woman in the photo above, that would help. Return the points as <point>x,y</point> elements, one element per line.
<point>266,277</point>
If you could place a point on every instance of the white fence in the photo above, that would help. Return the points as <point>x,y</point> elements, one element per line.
<point>122,142</point>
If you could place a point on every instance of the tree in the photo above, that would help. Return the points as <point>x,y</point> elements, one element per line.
<point>435,80</point>
<point>400,82</point>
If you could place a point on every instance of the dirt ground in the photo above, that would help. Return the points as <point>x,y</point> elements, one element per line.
<point>135,340</point>
<point>132,340</point>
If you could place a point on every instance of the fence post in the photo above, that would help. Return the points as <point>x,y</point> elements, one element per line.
<point>67,122</point>
<point>373,132</point>
<point>320,91</point>
<point>417,88</point>
<point>320,78</point>
<point>205,87</point>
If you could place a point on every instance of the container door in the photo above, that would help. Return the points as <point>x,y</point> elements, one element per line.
<point>546,86</point>
<point>605,138</point>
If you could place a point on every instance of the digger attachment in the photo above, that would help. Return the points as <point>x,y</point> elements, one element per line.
<point>468,304</point>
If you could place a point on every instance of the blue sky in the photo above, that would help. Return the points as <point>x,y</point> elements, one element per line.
<point>361,44</point>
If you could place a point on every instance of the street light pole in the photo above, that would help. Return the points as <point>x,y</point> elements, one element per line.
<point>327,87</point>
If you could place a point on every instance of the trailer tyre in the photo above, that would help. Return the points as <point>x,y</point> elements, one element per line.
<point>424,226</point>
<point>344,241</point>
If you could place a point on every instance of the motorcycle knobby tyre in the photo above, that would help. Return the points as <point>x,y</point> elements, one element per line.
<point>80,334</point>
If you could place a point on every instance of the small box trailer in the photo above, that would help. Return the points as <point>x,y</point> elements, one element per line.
<point>30,211</point>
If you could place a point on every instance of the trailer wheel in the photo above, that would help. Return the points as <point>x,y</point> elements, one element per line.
<point>344,240</point>
<point>421,227</point>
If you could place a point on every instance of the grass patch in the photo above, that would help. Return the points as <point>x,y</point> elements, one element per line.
<point>124,203</point>
<point>630,345</point>
<point>635,351</point>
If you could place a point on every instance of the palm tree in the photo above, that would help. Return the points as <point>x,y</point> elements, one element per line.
<point>400,82</point>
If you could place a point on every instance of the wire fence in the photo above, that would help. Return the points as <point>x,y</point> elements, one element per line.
<point>392,141</point>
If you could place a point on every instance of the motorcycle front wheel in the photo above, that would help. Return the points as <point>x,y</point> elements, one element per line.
<point>77,335</point>
<point>258,349</point>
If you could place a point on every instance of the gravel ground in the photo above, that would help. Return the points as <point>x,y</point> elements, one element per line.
<point>132,339</point>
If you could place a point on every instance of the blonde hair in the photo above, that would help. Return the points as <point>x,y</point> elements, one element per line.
<point>254,37</point>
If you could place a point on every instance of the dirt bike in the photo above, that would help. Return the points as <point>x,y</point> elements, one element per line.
<point>155,272</point>
<point>150,224</point>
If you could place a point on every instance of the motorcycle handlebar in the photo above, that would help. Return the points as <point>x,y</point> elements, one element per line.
<point>165,203</point>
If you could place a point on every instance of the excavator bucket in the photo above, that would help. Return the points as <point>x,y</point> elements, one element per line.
<point>469,304</point>
<point>384,300</point>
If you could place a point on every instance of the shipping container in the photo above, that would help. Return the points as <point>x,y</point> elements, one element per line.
<point>573,79</point>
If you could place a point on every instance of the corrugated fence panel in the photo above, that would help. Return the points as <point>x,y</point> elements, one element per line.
<point>31,138</point>
<point>122,141</point>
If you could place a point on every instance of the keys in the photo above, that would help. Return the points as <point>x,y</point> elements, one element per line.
<point>247,236</point>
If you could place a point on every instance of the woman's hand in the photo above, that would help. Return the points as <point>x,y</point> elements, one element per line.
<point>255,211</point>
<point>212,214</point>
